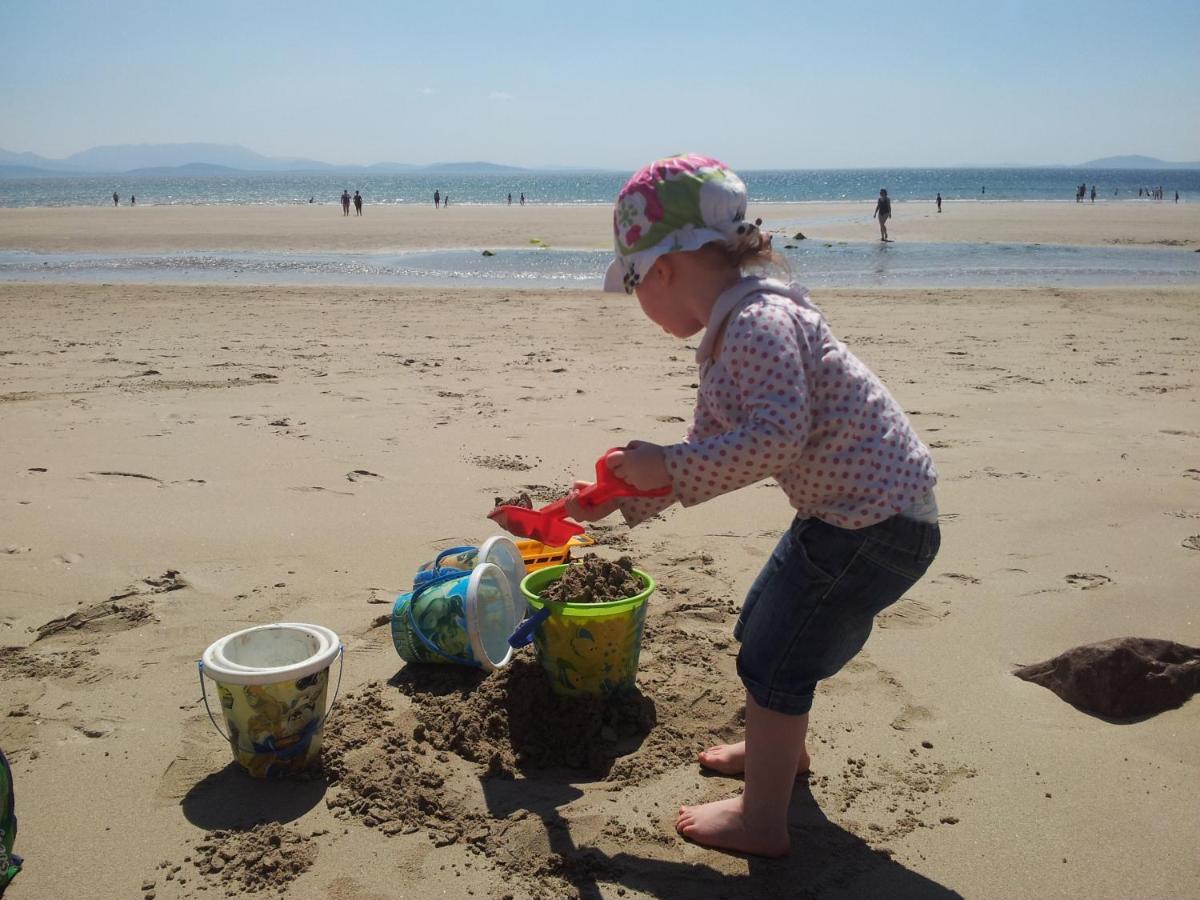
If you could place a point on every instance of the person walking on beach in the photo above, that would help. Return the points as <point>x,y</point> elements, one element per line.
<point>939,201</point>
<point>883,212</point>
<point>1177,196</point>
<point>345,202</point>
<point>445,200</point>
<point>522,199</point>
<point>1093,193</point>
<point>116,199</point>
<point>132,200</point>
<point>510,199</point>
<point>357,203</point>
<point>781,398</point>
<point>437,199</point>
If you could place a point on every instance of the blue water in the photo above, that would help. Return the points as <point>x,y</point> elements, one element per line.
<point>813,263</point>
<point>796,185</point>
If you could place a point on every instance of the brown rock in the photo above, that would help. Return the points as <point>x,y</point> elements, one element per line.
<point>1121,678</point>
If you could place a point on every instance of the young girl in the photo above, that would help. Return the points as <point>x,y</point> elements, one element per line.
<point>780,397</point>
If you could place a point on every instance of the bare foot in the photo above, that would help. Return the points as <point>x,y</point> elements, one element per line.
<point>721,825</point>
<point>730,759</point>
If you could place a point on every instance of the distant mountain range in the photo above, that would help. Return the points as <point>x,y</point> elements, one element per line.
<point>1136,162</point>
<point>209,159</point>
<point>151,160</point>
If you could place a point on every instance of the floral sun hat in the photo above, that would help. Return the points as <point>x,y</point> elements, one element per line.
<point>677,203</point>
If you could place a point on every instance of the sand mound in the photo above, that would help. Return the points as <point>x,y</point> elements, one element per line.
<point>1122,677</point>
<point>266,857</point>
<point>512,721</point>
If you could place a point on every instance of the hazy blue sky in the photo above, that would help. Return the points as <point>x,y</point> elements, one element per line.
<point>613,84</point>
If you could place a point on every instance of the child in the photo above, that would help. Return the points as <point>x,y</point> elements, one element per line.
<point>780,397</point>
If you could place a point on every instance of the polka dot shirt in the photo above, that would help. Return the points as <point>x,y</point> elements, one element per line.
<point>783,398</point>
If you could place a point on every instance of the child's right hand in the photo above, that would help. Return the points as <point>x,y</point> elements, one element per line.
<point>581,513</point>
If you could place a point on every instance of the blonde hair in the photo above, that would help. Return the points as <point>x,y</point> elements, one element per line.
<point>750,251</point>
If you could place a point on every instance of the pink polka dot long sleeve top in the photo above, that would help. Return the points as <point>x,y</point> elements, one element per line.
<point>781,397</point>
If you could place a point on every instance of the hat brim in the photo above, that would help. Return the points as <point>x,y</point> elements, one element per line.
<point>614,278</point>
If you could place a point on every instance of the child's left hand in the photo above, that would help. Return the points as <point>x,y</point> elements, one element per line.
<point>642,465</point>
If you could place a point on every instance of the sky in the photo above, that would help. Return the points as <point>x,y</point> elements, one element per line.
<point>609,85</point>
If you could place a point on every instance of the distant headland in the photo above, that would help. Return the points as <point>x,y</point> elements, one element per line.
<point>199,159</point>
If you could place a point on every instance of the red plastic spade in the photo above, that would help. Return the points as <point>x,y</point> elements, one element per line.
<point>550,524</point>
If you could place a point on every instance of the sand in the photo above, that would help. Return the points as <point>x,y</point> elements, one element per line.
<point>217,457</point>
<point>320,227</point>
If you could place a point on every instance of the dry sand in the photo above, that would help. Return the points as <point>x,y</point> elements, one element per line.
<point>308,227</point>
<point>230,456</point>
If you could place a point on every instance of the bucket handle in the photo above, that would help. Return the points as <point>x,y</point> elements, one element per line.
<point>204,695</point>
<point>324,718</point>
<point>436,570</point>
<point>524,633</point>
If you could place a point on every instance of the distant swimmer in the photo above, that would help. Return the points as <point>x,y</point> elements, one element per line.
<point>883,212</point>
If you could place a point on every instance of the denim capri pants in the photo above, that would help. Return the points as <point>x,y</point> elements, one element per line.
<point>812,606</point>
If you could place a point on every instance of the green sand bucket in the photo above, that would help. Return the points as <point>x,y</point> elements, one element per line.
<point>272,682</point>
<point>458,617</point>
<point>587,649</point>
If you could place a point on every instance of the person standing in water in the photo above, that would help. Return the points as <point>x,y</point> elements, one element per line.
<point>116,199</point>
<point>883,212</point>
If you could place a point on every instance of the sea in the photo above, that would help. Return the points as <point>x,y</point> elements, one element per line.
<point>567,188</point>
<point>815,263</point>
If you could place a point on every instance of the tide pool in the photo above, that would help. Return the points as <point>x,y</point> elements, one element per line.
<point>813,263</point>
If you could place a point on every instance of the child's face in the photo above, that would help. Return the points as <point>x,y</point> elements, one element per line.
<point>663,299</point>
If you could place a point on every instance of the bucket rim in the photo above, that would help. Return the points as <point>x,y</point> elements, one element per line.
<point>543,577</point>
<point>471,608</point>
<point>222,670</point>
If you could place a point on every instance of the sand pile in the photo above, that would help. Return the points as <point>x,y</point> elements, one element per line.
<point>592,579</point>
<point>266,857</point>
<point>385,777</point>
<point>513,721</point>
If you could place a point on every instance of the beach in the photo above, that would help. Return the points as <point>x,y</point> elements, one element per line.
<point>321,227</point>
<point>178,462</point>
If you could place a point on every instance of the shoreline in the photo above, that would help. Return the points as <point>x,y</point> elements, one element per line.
<point>314,227</point>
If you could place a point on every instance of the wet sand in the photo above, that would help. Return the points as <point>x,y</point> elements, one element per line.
<point>322,227</point>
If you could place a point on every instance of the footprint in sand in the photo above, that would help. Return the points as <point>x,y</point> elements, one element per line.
<point>1087,581</point>
<point>120,612</point>
<point>912,613</point>
<point>1194,474</point>
<point>362,475</point>
<point>14,550</point>
<point>1192,543</point>
<point>959,576</point>
<point>134,475</point>
<point>515,463</point>
<point>68,559</point>
<point>316,488</point>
